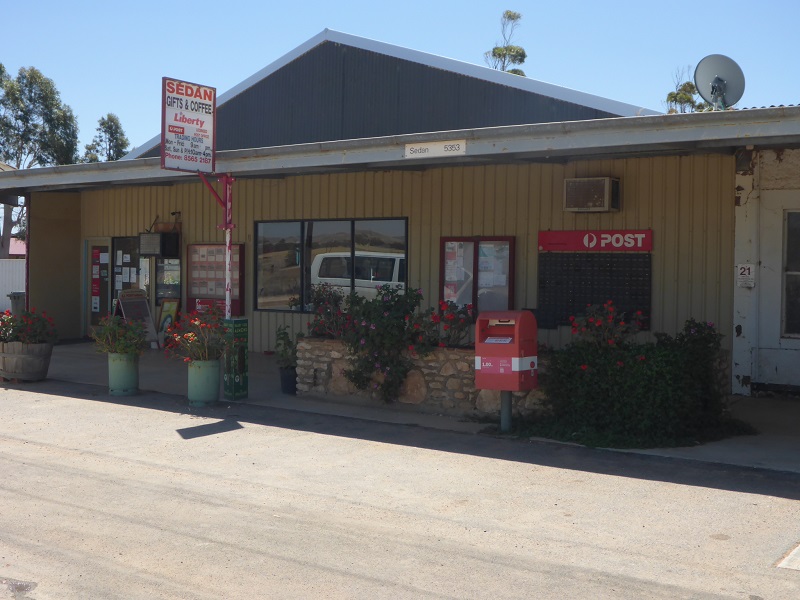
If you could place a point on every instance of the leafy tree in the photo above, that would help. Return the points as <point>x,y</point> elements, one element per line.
<point>505,54</point>
<point>684,98</point>
<point>36,129</point>
<point>109,143</point>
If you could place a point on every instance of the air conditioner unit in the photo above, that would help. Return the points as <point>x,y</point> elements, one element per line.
<point>591,194</point>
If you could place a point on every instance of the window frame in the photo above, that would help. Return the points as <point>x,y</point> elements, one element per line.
<point>786,273</point>
<point>476,241</point>
<point>306,257</point>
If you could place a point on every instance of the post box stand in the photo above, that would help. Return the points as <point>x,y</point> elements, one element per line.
<point>236,375</point>
<point>506,356</point>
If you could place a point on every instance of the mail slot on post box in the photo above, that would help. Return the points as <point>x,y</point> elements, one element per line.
<point>506,349</point>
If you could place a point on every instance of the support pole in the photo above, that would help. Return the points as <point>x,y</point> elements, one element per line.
<point>226,202</point>
<point>505,412</point>
<point>227,182</point>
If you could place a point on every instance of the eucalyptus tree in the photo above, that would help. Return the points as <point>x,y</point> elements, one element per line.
<point>36,129</point>
<point>506,55</point>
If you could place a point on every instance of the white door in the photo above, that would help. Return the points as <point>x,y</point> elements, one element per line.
<point>778,353</point>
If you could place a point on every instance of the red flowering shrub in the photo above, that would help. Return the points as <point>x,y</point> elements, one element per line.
<point>29,327</point>
<point>455,322</point>
<point>331,318</point>
<point>117,335</point>
<point>198,336</point>
<point>604,326</point>
<point>384,333</point>
<point>606,390</point>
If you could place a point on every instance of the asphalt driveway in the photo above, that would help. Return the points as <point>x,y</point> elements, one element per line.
<point>141,498</point>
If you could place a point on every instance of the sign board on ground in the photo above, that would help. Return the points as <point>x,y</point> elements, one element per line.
<point>188,126</point>
<point>133,305</point>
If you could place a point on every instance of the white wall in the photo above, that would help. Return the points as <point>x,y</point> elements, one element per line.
<point>12,279</point>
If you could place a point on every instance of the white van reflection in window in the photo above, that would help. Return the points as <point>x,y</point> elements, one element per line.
<point>372,269</point>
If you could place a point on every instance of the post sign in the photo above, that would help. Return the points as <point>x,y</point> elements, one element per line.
<point>622,240</point>
<point>188,126</point>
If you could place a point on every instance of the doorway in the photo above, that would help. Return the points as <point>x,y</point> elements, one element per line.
<point>97,291</point>
<point>778,352</point>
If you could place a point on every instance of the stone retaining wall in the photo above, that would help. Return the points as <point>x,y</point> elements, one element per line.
<point>442,382</point>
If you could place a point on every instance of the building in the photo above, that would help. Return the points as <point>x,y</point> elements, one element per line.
<point>706,212</point>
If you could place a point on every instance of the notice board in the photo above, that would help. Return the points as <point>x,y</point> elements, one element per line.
<point>133,305</point>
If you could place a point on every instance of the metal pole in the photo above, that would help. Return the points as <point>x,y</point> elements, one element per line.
<point>227,182</point>
<point>505,412</point>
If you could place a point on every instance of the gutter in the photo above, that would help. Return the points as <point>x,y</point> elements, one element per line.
<point>624,136</point>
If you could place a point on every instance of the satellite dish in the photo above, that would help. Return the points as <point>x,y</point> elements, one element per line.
<point>719,81</point>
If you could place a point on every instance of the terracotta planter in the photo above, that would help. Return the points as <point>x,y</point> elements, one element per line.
<point>26,362</point>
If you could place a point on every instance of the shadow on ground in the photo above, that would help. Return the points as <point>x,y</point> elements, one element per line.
<point>226,417</point>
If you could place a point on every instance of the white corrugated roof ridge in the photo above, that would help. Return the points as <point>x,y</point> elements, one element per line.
<point>431,60</point>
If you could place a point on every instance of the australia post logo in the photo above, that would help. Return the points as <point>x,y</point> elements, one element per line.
<point>624,240</point>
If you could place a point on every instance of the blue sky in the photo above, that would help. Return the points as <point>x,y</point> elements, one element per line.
<point>110,56</point>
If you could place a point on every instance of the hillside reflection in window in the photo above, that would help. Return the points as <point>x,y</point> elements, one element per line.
<point>350,255</point>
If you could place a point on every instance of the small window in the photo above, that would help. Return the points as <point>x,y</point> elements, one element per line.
<point>791,281</point>
<point>478,271</point>
<point>335,267</point>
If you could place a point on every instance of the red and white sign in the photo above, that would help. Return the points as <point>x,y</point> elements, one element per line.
<point>506,364</point>
<point>188,126</point>
<point>617,240</point>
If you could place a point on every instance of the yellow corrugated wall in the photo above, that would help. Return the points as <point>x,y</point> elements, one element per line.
<point>688,201</point>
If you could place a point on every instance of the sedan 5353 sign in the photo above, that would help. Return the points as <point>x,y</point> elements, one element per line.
<point>618,240</point>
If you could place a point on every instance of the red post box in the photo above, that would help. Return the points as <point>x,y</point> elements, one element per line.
<point>506,351</point>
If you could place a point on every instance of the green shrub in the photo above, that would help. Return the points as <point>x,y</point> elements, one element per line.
<point>330,318</point>
<point>384,332</point>
<point>605,390</point>
<point>699,344</point>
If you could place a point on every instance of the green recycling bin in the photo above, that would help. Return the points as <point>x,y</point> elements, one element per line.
<point>235,379</point>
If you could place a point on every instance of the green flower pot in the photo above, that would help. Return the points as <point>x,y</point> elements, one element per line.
<point>123,374</point>
<point>204,378</point>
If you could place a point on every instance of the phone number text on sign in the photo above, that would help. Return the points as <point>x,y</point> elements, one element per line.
<point>188,126</point>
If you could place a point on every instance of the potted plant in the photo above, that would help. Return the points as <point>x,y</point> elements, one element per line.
<point>26,345</point>
<point>124,341</point>
<point>286,351</point>
<point>200,338</point>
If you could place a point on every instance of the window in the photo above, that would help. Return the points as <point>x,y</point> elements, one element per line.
<point>351,255</point>
<point>478,271</point>
<point>791,283</point>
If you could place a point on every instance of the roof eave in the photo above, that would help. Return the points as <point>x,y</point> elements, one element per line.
<point>664,134</point>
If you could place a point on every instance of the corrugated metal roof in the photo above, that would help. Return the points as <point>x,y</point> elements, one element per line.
<point>381,89</point>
